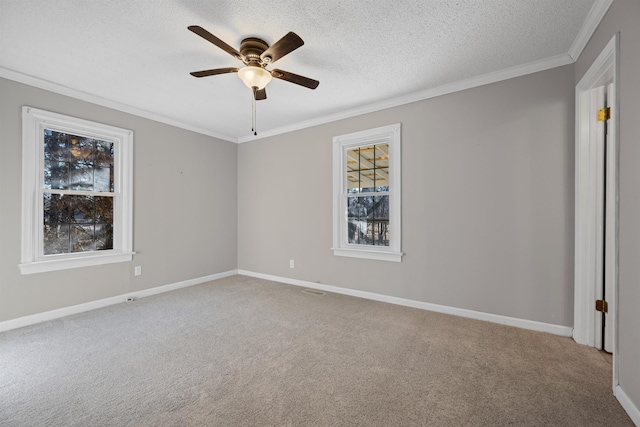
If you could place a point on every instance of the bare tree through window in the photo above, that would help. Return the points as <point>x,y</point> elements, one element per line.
<point>78,193</point>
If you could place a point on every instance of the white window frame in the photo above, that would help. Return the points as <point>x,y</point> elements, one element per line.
<point>34,122</point>
<point>390,134</point>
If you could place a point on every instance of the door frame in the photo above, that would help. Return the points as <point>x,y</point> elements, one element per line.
<point>604,70</point>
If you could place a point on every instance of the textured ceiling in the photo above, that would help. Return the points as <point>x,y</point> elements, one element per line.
<point>137,55</point>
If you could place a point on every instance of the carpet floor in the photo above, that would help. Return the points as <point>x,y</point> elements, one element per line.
<point>242,351</point>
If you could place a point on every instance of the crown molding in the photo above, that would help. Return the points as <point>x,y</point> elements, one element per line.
<point>597,12</point>
<point>508,73</point>
<point>104,102</point>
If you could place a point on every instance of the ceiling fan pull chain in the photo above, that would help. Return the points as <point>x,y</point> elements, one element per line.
<point>255,124</point>
<point>253,119</point>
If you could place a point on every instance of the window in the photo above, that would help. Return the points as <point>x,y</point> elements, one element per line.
<point>76,192</point>
<point>366,194</point>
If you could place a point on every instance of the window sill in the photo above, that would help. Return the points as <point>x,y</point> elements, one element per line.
<point>67,263</point>
<point>369,254</point>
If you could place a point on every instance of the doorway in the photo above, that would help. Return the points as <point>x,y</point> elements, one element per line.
<point>596,206</point>
<point>605,203</point>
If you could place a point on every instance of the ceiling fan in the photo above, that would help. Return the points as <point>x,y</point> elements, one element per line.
<point>256,55</point>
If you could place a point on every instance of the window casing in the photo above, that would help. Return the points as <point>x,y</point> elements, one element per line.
<point>367,193</point>
<point>76,192</point>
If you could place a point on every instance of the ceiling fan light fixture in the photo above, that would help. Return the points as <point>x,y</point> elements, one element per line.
<point>254,76</point>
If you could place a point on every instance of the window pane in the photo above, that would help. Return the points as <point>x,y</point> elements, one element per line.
<point>360,211</point>
<point>381,207</point>
<point>56,175</point>
<point>56,145</point>
<point>367,168</point>
<point>77,163</point>
<point>368,216</point>
<point>360,207</point>
<point>74,223</point>
<point>380,222</point>
<point>368,220</point>
<point>103,159</point>
<point>104,210</point>
<point>56,224</point>
<point>103,179</point>
<point>81,176</point>
<point>81,237</point>
<point>81,148</point>
<point>56,239</point>
<point>103,237</point>
<point>103,153</point>
<point>56,209</point>
<point>77,223</point>
<point>82,209</point>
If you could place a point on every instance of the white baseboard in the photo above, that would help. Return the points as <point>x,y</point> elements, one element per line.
<point>627,404</point>
<point>92,305</point>
<point>565,331</point>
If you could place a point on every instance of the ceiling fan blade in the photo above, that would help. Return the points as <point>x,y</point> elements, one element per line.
<point>282,47</point>
<point>213,72</point>
<point>216,41</point>
<point>295,78</point>
<point>260,94</point>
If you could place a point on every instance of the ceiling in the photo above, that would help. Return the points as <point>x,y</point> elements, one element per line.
<point>136,55</point>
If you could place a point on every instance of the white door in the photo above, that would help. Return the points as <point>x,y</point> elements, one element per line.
<point>606,196</point>
<point>598,132</point>
<point>610,201</point>
<point>602,72</point>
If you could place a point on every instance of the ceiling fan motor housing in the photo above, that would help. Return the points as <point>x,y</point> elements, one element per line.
<point>251,48</point>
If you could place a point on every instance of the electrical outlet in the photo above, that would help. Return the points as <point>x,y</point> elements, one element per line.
<point>292,264</point>
<point>138,270</point>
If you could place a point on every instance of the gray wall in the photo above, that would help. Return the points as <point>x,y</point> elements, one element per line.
<point>488,178</point>
<point>185,208</point>
<point>487,195</point>
<point>624,17</point>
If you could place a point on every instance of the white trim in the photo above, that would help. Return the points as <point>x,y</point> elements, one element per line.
<point>497,76</point>
<point>34,122</point>
<point>596,14</point>
<point>603,71</point>
<point>390,134</point>
<point>92,305</point>
<point>627,404</point>
<point>533,325</point>
<point>367,253</point>
<point>596,203</point>
<point>584,286</point>
<point>611,231</point>
<point>94,99</point>
<point>86,261</point>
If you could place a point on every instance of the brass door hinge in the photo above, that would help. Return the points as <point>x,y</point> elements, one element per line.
<point>601,305</point>
<point>604,114</point>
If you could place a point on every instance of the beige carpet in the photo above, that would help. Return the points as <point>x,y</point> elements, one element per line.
<point>247,352</point>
